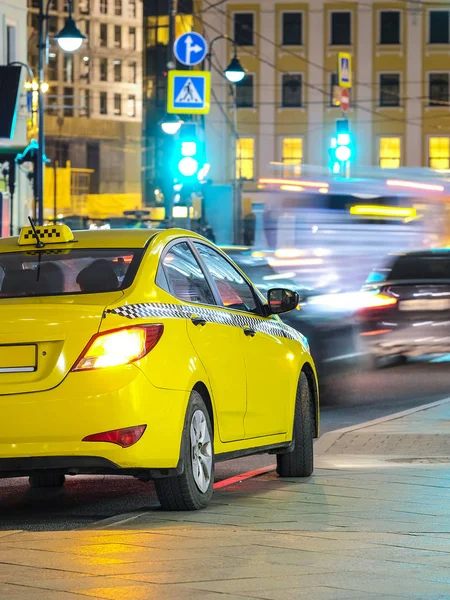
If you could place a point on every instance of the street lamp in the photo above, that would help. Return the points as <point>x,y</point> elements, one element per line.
<point>171,124</point>
<point>234,73</point>
<point>69,39</point>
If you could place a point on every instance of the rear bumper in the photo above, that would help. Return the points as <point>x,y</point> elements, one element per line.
<point>76,465</point>
<point>44,430</point>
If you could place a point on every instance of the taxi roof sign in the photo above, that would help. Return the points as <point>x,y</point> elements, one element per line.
<point>48,234</point>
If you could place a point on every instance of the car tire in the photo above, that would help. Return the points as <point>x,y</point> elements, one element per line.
<point>193,489</point>
<point>300,461</point>
<point>47,480</point>
<point>385,362</point>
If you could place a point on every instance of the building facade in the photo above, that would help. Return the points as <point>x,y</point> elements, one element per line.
<point>399,102</point>
<point>94,101</point>
<point>14,183</point>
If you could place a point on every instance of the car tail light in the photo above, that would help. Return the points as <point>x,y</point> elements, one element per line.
<point>378,301</point>
<point>122,437</point>
<point>119,347</point>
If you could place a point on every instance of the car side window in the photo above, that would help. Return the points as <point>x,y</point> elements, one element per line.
<point>234,291</point>
<point>184,277</point>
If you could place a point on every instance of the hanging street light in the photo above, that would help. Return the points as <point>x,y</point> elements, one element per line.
<point>235,72</point>
<point>171,124</point>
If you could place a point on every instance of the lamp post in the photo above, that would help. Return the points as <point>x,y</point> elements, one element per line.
<point>69,39</point>
<point>234,73</point>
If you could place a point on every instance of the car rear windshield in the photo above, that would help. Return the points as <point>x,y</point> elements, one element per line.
<point>411,267</point>
<point>57,272</point>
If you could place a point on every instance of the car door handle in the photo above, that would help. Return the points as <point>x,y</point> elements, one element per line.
<point>198,321</point>
<point>249,331</point>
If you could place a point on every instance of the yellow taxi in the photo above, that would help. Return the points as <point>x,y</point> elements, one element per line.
<point>145,353</point>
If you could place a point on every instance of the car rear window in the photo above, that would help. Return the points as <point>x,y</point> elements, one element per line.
<point>433,266</point>
<point>58,272</point>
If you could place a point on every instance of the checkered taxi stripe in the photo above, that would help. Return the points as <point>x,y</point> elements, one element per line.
<point>48,232</point>
<point>180,311</point>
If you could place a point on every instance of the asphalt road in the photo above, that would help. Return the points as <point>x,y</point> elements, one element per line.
<point>352,398</point>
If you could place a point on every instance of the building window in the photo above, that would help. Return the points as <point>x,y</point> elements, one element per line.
<point>103,103</point>
<point>103,35</point>
<point>85,102</point>
<point>244,92</point>
<point>292,91</point>
<point>292,156</point>
<point>341,28</point>
<point>51,101</point>
<point>117,104</point>
<point>439,153</point>
<point>131,106</point>
<point>104,7</point>
<point>103,69</point>
<point>390,152</point>
<point>52,72</point>
<point>53,24</point>
<point>245,158</point>
<point>117,36</point>
<point>10,43</point>
<point>390,27</point>
<point>438,89</point>
<point>132,9</point>
<point>292,29</point>
<point>68,68</point>
<point>389,89</point>
<point>243,29</point>
<point>68,101</point>
<point>34,21</point>
<point>118,7</point>
<point>83,7</point>
<point>85,71</point>
<point>132,72</point>
<point>66,6</point>
<point>132,38</point>
<point>117,70</point>
<point>439,27</point>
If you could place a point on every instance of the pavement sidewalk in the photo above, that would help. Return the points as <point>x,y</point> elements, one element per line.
<point>373,522</point>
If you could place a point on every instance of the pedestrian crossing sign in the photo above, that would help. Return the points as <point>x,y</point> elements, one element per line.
<point>189,92</point>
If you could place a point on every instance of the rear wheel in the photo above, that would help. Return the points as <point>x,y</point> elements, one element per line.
<point>192,489</point>
<point>47,480</point>
<point>300,462</point>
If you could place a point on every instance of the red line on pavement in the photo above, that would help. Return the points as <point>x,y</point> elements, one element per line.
<point>243,476</point>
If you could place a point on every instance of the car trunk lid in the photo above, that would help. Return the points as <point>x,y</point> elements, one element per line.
<point>41,338</point>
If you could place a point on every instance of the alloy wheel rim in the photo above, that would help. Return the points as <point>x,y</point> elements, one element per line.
<point>201,451</point>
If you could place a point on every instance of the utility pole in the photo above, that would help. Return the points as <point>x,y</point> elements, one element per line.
<point>42,50</point>
<point>168,145</point>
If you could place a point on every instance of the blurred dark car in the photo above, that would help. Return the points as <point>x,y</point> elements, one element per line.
<point>326,319</point>
<point>406,309</point>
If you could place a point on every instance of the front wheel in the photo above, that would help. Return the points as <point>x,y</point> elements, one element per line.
<point>300,462</point>
<point>192,490</point>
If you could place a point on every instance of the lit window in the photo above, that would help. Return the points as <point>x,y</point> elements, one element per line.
<point>439,153</point>
<point>292,155</point>
<point>390,153</point>
<point>158,29</point>
<point>245,158</point>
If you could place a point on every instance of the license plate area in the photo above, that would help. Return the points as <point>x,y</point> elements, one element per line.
<point>425,305</point>
<point>18,358</point>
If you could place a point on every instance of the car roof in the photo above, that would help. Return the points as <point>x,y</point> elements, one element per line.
<point>104,238</point>
<point>426,252</point>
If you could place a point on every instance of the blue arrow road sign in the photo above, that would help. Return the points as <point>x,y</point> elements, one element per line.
<point>190,49</point>
<point>189,92</point>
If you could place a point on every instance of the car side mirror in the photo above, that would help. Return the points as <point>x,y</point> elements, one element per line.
<point>282,300</point>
